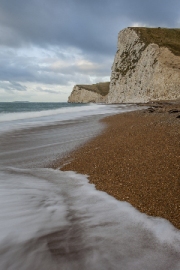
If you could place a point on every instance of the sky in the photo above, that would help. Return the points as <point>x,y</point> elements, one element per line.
<point>48,46</point>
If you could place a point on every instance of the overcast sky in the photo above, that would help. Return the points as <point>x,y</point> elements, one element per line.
<point>47,46</point>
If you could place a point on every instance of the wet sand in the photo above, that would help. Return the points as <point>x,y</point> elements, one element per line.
<point>136,159</point>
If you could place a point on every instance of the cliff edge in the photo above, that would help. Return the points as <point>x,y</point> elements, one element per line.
<point>96,93</point>
<point>146,66</point>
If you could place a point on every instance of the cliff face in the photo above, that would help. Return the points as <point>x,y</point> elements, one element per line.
<point>144,67</point>
<point>96,93</point>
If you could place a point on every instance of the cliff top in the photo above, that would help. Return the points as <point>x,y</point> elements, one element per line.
<point>163,37</point>
<point>100,88</point>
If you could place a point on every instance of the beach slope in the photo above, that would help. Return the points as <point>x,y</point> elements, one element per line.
<point>137,159</point>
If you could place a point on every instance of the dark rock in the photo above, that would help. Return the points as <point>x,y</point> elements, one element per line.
<point>174,111</point>
<point>150,110</point>
<point>157,106</point>
<point>178,116</point>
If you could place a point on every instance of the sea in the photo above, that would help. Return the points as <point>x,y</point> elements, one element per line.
<point>50,219</point>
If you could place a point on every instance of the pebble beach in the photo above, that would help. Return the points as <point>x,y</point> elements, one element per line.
<point>136,159</point>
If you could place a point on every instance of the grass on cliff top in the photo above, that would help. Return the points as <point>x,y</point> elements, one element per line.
<point>164,37</point>
<point>100,88</point>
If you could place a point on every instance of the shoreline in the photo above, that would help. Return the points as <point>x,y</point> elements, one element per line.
<point>136,159</point>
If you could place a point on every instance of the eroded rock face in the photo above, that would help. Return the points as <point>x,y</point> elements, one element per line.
<point>146,68</point>
<point>143,72</point>
<point>81,95</point>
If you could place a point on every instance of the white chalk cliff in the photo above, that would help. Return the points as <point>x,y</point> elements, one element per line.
<point>146,67</point>
<point>143,72</point>
<point>96,93</point>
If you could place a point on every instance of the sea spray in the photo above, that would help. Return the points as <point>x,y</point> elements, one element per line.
<point>60,220</point>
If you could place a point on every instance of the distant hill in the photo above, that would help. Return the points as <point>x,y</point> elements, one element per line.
<point>21,101</point>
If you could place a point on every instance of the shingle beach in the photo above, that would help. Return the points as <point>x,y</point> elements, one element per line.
<point>136,159</point>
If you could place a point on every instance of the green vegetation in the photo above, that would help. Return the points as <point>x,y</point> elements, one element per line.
<point>164,37</point>
<point>100,88</point>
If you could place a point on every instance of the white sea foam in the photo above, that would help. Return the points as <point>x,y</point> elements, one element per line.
<point>27,144</point>
<point>56,220</point>
<point>36,114</point>
<point>67,112</point>
<point>20,120</point>
<point>88,229</point>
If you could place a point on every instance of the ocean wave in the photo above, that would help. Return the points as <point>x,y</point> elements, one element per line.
<point>36,114</point>
<point>24,120</point>
<point>60,221</point>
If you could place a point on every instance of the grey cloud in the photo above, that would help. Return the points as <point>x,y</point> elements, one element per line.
<point>91,26</point>
<point>91,69</point>
<point>12,86</point>
<point>14,67</point>
<point>49,91</point>
<point>65,29</point>
<point>27,69</point>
